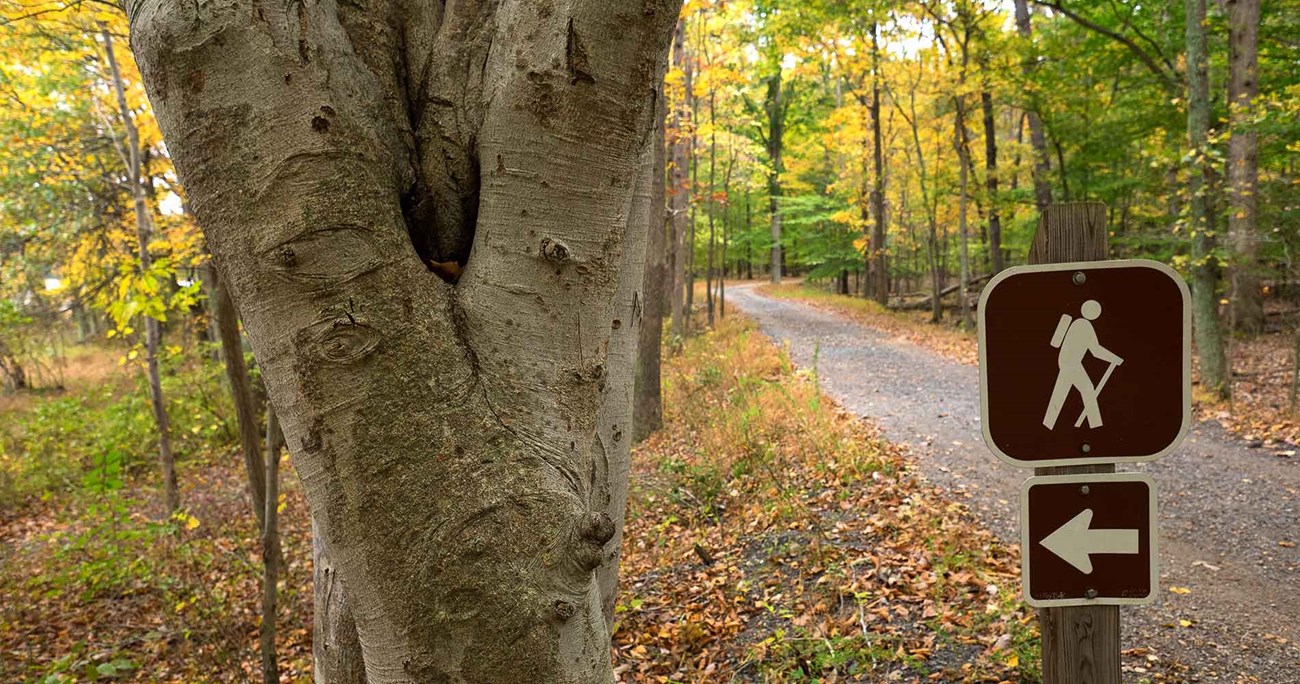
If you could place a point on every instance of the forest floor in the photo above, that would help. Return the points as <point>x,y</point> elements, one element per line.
<point>1228,519</point>
<point>771,538</point>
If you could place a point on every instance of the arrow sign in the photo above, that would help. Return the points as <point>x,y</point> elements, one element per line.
<point>1103,526</point>
<point>1075,542</point>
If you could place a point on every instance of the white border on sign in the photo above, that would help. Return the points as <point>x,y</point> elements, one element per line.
<point>1082,479</point>
<point>1087,266</point>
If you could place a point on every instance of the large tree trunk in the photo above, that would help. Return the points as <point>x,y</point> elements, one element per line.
<point>647,411</point>
<point>1037,138</point>
<point>152,328</point>
<point>679,193</point>
<point>422,211</point>
<point>1205,273</point>
<point>1243,173</point>
<point>241,392</point>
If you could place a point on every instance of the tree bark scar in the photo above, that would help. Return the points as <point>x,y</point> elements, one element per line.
<point>555,251</point>
<point>579,62</point>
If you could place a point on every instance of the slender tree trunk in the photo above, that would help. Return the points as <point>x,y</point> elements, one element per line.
<point>1060,169</point>
<point>1243,174</point>
<point>647,409</point>
<point>680,190</point>
<point>1205,269</point>
<point>1037,137</point>
<point>241,392</point>
<point>878,268</point>
<point>271,548</point>
<point>694,185</point>
<point>749,231</point>
<point>454,428</point>
<point>991,181</point>
<point>713,203</point>
<point>775,148</point>
<point>153,330</point>
<point>963,155</point>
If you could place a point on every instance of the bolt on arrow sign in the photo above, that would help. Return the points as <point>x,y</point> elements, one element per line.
<point>1075,542</point>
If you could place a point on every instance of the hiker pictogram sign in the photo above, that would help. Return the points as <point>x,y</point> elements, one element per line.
<point>1085,363</point>
<point>1089,540</point>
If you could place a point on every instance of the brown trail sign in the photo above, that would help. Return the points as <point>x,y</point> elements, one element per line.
<point>1083,365</point>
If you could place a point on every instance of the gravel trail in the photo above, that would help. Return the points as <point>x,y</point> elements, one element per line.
<point>1229,514</point>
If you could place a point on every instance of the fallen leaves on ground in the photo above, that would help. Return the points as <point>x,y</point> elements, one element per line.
<point>101,587</point>
<point>772,537</point>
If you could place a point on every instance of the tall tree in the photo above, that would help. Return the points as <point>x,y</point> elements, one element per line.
<point>679,191</point>
<point>1037,137</point>
<point>647,412</point>
<point>878,265</point>
<point>331,164</point>
<point>775,106</point>
<point>153,329</point>
<point>1205,265</point>
<point>1243,169</point>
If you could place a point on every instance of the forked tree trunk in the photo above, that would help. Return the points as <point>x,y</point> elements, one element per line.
<point>153,330</point>
<point>422,211</point>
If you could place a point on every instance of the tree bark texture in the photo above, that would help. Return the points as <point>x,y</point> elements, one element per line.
<point>1243,171</point>
<point>241,392</point>
<point>422,212</point>
<point>152,328</point>
<point>1205,266</point>
<point>647,409</point>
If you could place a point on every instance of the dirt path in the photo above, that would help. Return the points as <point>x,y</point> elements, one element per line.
<point>1229,514</point>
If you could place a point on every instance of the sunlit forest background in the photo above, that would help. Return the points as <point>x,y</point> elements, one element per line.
<point>896,151</point>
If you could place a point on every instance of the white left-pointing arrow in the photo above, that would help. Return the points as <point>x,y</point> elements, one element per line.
<point>1076,542</point>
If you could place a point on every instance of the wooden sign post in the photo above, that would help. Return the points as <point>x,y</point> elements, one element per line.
<point>1080,644</point>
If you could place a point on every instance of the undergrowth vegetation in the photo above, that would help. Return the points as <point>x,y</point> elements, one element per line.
<point>773,538</point>
<point>100,435</point>
<point>96,583</point>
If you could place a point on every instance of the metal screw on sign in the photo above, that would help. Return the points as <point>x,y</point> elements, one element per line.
<point>1080,278</point>
<point>1084,490</point>
<point>1090,593</point>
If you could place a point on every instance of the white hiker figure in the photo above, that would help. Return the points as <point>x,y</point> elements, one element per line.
<point>1076,338</point>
